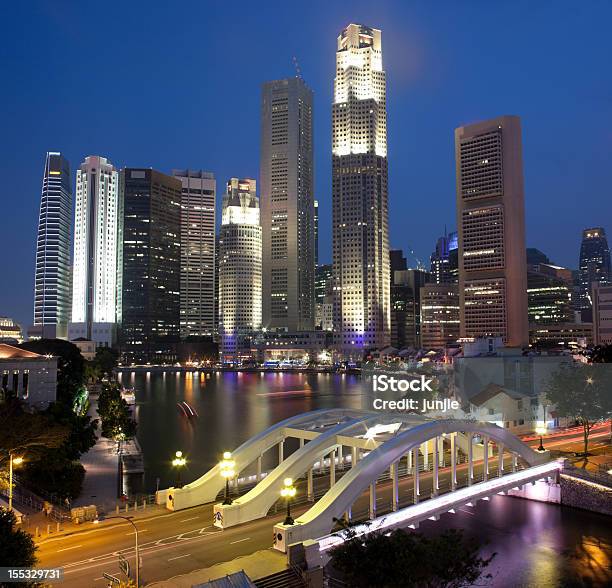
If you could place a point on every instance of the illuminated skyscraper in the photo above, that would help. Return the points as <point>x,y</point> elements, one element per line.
<point>151,266</point>
<point>360,194</point>
<point>287,205</point>
<point>444,260</point>
<point>197,253</point>
<point>594,266</point>
<point>94,277</point>
<point>491,221</point>
<point>239,268</point>
<point>439,315</point>
<point>52,291</point>
<point>316,233</point>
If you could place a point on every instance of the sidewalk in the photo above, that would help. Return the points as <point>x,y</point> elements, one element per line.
<point>256,565</point>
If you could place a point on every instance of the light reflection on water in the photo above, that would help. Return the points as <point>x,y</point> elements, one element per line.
<point>538,545</point>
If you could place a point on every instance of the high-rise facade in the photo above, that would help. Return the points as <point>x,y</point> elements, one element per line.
<point>240,268</point>
<point>324,301</point>
<point>96,230</point>
<point>602,314</point>
<point>151,266</point>
<point>360,230</point>
<point>406,307</point>
<point>197,253</point>
<point>491,222</point>
<point>444,261</point>
<point>594,266</point>
<point>439,315</point>
<point>549,295</point>
<point>52,282</point>
<point>316,233</point>
<point>287,205</point>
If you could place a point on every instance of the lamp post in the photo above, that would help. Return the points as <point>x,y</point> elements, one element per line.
<point>12,461</point>
<point>288,492</point>
<point>227,466</point>
<point>178,462</point>
<point>541,430</point>
<point>137,553</point>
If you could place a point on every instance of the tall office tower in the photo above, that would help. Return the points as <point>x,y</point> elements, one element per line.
<point>197,252</point>
<point>96,244</point>
<point>287,205</point>
<point>594,266</point>
<point>439,315</point>
<point>360,194</point>
<point>316,233</point>
<point>491,221</point>
<point>151,269</point>
<point>444,260</point>
<point>406,307</point>
<point>239,268</point>
<point>52,278</point>
<point>397,262</point>
<point>549,295</point>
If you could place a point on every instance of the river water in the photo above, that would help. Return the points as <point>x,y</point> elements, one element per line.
<point>537,545</point>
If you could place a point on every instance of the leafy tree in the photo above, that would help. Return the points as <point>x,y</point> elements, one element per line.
<point>117,421</point>
<point>106,360</point>
<point>55,476</point>
<point>17,548</point>
<point>81,430</point>
<point>403,558</point>
<point>582,392</point>
<point>70,366</point>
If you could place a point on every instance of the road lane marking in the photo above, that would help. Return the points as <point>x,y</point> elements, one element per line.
<point>179,556</point>
<point>239,540</point>
<point>139,531</point>
<point>67,548</point>
<point>191,519</point>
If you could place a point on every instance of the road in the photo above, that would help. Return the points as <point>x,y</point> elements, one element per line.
<point>181,542</point>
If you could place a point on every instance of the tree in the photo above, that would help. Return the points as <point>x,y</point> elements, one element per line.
<point>28,434</point>
<point>403,558</point>
<point>17,548</point>
<point>117,421</point>
<point>582,392</point>
<point>70,366</point>
<point>106,360</point>
<point>602,354</point>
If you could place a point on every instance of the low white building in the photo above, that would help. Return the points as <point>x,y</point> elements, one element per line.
<point>28,376</point>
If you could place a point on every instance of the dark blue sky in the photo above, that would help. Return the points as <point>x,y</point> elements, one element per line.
<point>176,84</point>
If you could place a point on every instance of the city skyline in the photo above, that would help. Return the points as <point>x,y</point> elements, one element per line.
<point>405,98</point>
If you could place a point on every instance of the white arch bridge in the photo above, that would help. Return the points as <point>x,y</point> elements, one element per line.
<point>344,453</point>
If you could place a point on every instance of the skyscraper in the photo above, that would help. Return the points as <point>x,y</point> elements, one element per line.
<point>444,260</point>
<point>491,221</point>
<point>197,253</point>
<point>239,268</point>
<point>151,265</point>
<point>594,266</point>
<point>94,277</point>
<point>406,307</point>
<point>360,194</point>
<point>324,300</point>
<point>52,283</point>
<point>287,205</point>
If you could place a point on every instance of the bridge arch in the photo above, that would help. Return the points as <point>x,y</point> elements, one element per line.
<point>318,520</point>
<point>206,488</point>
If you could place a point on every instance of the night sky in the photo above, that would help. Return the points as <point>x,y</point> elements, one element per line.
<point>177,85</point>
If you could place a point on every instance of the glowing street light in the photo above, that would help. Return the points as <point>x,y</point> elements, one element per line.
<point>541,430</point>
<point>12,461</point>
<point>227,466</point>
<point>178,462</point>
<point>288,492</point>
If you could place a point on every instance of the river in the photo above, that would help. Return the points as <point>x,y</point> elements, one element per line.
<point>537,544</point>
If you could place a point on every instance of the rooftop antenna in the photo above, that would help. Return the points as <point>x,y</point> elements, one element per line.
<point>298,71</point>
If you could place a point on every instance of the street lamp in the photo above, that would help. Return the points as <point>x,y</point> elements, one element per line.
<point>178,462</point>
<point>227,466</point>
<point>12,461</point>
<point>137,553</point>
<point>541,430</point>
<point>288,492</point>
